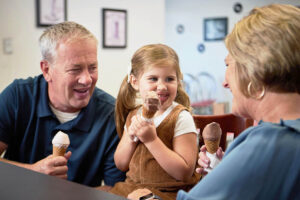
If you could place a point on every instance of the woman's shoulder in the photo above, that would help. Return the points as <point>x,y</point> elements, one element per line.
<point>267,134</point>
<point>284,126</point>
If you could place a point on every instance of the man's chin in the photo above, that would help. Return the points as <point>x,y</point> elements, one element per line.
<point>79,105</point>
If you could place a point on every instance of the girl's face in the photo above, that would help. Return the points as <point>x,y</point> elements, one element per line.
<point>162,80</point>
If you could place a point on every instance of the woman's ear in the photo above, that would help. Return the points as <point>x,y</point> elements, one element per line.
<point>134,82</point>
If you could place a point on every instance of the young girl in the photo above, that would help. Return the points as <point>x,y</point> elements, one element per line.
<point>164,157</point>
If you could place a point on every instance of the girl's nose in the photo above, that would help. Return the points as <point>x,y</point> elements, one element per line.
<point>161,86</point>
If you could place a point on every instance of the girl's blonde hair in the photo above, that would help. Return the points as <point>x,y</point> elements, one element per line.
<point>144,58</point>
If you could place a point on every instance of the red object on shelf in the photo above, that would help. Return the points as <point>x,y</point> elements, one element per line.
<point>204,103</point>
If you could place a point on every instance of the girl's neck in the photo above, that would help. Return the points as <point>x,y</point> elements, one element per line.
<point>161,111</point>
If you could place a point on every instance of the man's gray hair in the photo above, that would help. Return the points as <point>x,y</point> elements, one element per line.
<point>63,32</point>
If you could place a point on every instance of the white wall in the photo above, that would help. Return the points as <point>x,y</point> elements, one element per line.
<point>191,13</point>
<point>151,21</point>
<point>146,21</point>
<point>17,21</point>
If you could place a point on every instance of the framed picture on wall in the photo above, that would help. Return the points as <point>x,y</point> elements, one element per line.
<point>114,24</point>
<point>215,28</point>
<point>51,12</point>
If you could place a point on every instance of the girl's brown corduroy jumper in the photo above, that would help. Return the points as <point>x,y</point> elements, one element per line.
<point>144,170</point>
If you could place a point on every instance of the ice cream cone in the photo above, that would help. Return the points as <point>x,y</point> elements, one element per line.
<point>148,114</point>
<point>60,144</point>
<point>212,135</point>
<point>150,105</point>
<point>59,151</point>
<point>212,145</point>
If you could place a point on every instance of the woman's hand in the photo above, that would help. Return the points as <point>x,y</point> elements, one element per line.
<point>204,161</point>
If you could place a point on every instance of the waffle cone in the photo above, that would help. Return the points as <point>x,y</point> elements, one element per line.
<point>59,151</point>
<point>148,114</point>
<point>212,145</point>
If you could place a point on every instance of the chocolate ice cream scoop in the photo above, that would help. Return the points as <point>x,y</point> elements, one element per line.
<point>150,105</point>
<point>212,135</point>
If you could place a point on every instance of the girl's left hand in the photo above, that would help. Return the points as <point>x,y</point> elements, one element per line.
<point>145,131</point>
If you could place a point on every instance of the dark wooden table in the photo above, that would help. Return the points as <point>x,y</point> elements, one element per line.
<point>19,183</point>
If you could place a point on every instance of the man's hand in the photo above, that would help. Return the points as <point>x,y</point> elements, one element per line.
<point>53,166</point>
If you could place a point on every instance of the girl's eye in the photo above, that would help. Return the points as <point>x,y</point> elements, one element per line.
<point>170,79</point>
<point>153,79</point>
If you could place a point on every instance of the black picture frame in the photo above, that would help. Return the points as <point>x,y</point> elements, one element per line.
<point>215,28</point>
<point>50,12</point>
<point>114,27</point>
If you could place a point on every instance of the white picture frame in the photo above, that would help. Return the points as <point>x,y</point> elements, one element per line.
<point>114,23</point>
<point>50,12</point>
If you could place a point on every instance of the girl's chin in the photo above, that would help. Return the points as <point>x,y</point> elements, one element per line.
<point>165,105</point>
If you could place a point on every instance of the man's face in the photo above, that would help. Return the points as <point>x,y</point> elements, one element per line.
<point>73,76</point>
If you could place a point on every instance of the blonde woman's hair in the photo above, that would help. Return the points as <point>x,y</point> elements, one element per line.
<point>265,45</point>
<point>61,33</point>
<point>145,57</point>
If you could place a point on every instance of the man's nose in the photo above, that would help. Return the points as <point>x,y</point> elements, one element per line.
<point>85,77</point>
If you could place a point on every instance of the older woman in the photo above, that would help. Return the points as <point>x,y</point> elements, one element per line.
<point>263,74</point>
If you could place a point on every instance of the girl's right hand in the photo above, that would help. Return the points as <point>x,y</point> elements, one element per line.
<point>145,131</point>
<point>204,161</point>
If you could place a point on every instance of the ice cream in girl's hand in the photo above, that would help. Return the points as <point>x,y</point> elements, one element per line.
<point>212,135</point>
<point>150,105</point>
<point>60,143</point>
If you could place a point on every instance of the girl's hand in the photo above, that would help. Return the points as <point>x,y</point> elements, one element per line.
<point>131,131</point>
<point>145,131</point>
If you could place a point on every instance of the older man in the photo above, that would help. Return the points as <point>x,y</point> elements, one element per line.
<point>64,98</point>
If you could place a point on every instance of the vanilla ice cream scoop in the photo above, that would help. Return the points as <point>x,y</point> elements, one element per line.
<point>60,143</point>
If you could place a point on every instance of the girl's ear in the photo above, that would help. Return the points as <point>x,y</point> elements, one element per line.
<point>134,82</point>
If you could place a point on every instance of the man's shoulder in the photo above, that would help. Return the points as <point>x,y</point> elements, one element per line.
<point>22,86</point>
<point>27,82</point>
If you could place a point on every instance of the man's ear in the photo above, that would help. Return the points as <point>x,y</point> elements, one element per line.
<point>134,82</point>
<point>45,67</point>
